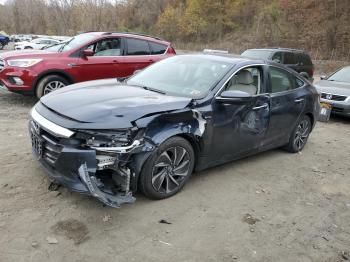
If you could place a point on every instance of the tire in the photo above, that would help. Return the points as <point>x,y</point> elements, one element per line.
<point>299,136</point>
<point>50,83</point>
<point>167,169</point>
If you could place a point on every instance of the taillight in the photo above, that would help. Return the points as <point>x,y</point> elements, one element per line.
<point>312,70</point>
<point>171,50</point>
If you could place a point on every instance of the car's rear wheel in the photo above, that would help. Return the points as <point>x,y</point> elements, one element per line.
<point>299,135</point>
<point>49,84</point>
<point>168,168</point>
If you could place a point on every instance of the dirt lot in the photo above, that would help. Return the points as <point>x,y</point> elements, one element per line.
<point>274,206</point>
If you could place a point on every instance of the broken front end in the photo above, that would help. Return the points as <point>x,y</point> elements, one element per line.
<point>101,163</point>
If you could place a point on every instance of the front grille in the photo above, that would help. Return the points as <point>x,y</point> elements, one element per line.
<point>2,64</point>
<point>333,97</point>
<point>50,148</point>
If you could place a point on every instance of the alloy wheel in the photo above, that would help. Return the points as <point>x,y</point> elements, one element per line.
<point>301,134</point>
<point>170,169</point>
<point>52,86</point>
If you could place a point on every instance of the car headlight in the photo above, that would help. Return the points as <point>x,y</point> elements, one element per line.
<point>23,62</point>
<point>104,138</point>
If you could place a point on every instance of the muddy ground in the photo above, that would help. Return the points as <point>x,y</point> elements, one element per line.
<point>274,206</point>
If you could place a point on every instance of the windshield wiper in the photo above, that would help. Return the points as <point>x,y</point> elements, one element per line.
<point>151,89</point>
<point>64,44</point>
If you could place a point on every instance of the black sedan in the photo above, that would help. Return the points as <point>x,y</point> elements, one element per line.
<point>183,114</point>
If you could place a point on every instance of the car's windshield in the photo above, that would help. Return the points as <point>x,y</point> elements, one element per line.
<point>343,75</point>
<point>187,75</point>
<point>71,43</point>
<point>38,40</point>
<point>258,54</point>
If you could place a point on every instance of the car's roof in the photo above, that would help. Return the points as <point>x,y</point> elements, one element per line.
<point>128,34</point>
<point>273,49</point>
<point>227,58</point>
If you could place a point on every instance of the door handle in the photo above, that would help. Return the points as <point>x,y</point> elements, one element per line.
<point>151,60</point>
<point>115,61</point>
<point>260,107</point>
<point>299,100</point>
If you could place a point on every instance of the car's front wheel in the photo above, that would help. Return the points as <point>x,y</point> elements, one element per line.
<point>299,135</point>
<point>168,168</point>
<point>49,84</point>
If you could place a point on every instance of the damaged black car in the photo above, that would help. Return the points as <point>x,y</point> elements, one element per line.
<point>186,113</point>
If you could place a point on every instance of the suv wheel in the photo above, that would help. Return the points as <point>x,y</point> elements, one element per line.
<point>168,168</point>
<point>49,84</point>
<point>299,136</point>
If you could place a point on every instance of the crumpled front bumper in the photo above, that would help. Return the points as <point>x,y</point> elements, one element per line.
<point>70,165</point>
<point>76,170</point>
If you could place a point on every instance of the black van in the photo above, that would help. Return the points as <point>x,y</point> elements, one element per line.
<point>298,60</point>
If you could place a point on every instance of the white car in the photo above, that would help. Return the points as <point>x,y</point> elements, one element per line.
<point>38,43</point>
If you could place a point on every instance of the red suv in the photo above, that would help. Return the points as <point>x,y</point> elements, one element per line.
<point>85,57</point>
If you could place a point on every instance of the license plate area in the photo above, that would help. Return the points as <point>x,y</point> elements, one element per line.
<point>325,112</point>
<point>37,144</point>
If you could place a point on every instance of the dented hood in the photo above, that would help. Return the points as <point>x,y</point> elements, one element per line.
<point>108,104</point>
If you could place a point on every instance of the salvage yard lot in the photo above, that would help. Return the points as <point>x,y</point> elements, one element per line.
<point>274,206</point>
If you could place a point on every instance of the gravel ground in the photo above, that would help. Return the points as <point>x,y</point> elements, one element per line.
<point>274,206</point>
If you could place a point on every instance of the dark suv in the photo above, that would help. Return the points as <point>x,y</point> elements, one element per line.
<point>298,60</point>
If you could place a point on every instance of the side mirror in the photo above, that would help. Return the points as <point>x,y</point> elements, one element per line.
<point>323,77</point>
<point>234,95</point>
<point>88,52</point>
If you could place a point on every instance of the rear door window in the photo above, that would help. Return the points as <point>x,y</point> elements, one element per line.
<point>304,59</point>
<point>277,57</point>
<point>157,49</point>
<point>137,47</point>
<point>281,80</point>
<point>289,58</point>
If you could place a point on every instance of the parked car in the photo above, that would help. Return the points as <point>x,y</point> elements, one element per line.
<point>335,90</point>
<point>295,59</point>
<point>184,113</point>
<point>4,40</point>
<point>37,44</point>
<point>88,56</point>
<point>21,38</point>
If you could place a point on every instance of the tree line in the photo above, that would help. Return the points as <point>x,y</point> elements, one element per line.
<point>319,26</point>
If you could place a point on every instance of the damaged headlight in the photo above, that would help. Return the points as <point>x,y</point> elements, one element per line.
<point>110,141</point>
<point>105,138</point>
<point>105,142</point>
